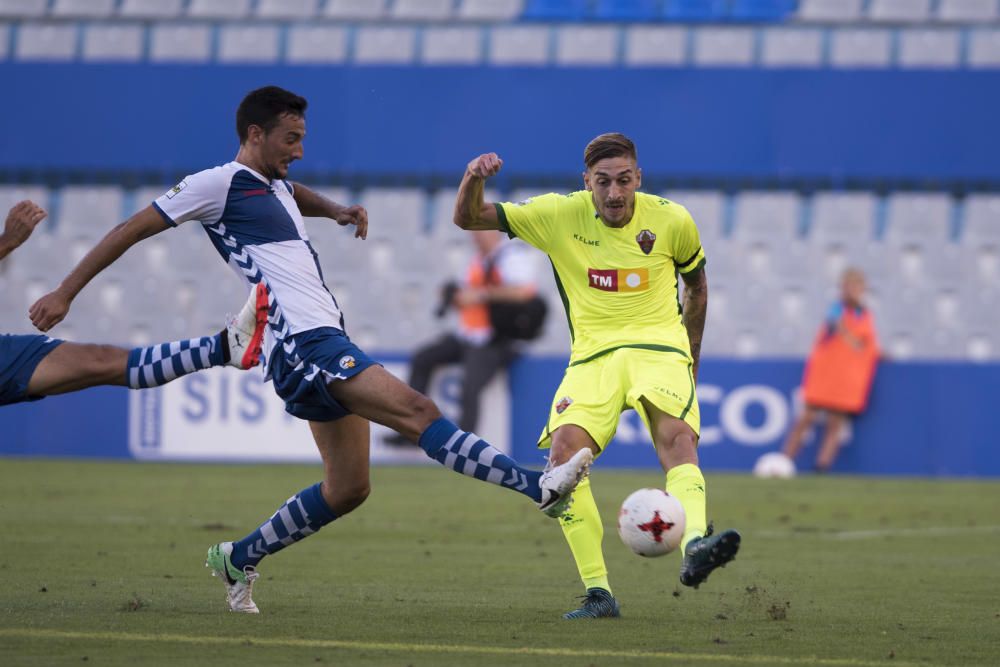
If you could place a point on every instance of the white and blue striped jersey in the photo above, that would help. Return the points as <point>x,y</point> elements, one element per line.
<point>257,228</point>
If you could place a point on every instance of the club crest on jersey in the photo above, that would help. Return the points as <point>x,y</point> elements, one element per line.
<point>172,192</point>
<point>646,239</point>
<point>348,362</point>
<point>563,403</point>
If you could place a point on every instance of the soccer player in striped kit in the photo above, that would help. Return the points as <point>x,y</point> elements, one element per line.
<point>254,217</point>
<point>616,253</point>
<point>33,367</point>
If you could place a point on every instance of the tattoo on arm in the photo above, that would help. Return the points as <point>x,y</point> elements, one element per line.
<point>695,308</point>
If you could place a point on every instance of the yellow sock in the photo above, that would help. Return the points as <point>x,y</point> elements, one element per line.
<point>584,531</point>
<point>686,483</point>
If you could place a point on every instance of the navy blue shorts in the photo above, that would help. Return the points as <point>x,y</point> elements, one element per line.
<point>19,357</point>
<point>327,355</point>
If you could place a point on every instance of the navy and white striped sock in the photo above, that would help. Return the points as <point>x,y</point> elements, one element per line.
<point>469,455</point>
<point>301,516</point>
<point>159,364</point>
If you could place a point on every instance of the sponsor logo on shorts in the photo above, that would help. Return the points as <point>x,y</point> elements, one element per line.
<point>646,239</point>
<point>618,280</point>
<point>563,403</point>
<point>176,189</point>
<point>348,362</point>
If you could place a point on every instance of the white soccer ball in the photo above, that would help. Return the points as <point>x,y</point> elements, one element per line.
<point>774,465</point>
<point>651,522</point>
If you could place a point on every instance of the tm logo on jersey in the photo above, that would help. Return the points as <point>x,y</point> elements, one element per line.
<point>619,280</point>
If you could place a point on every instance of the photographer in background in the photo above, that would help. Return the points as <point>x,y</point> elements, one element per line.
<point>497,306</point>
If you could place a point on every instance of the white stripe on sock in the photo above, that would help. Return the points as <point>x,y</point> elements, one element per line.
<point>302,510</point>
<point>187,361</point>
<point>267,531</point>
<point>286,518</point>
<point>468,443</point>
<point>451,441</point>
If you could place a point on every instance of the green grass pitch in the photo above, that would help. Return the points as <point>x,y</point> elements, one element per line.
<point>102,564</point>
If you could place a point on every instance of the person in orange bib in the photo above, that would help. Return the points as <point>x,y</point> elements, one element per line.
<point>839,372</point>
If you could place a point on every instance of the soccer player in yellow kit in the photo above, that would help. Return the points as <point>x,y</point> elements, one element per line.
<point>616,253</point>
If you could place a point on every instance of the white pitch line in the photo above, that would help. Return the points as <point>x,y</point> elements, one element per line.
<point>41,633</point>
<point>929,531</point>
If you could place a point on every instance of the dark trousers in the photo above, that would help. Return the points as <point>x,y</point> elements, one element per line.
<point>479,365</point>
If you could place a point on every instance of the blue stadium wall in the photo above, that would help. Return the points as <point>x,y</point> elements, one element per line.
<point>924,419</point>
<point>833,127</point>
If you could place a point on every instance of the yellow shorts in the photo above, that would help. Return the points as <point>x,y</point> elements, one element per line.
<point>593,395</point>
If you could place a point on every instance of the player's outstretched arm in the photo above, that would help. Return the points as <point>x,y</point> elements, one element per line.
<point>21,222</point>
<point>51,309</point>
<point>471,212</point>
<point>695,310</point>
<point>314,205</point>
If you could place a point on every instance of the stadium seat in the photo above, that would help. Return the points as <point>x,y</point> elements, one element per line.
<point>967,11</point>
<point>919,217</point>
<point>556,10</point>
<point>384,45</point>
<point>173,42</point>
<point>113,41</point>
<point>860,47</point>
<point>46,41</point>
<point>634,11</point>
<point>218,9</point>
<point>655,45</point>
<point>920,47</point>
<point>295,10</point>
<point>586,45</point>
<point>707,208</point>
<point>792,47</point>
<point>695,10</point>
<point>519,45</point>
<point>489,10</point>
<point>842,233</point>
<point>82,8</point>
<point>844,217</point>
<point>91,210</point>
<point>980,239</point>
<point>846,11</point>
<point>23,8</point>
<point>767,216</point>
<point>761,10</point>
<point>316,44</point>
<point>452,45</point>
<point>982,219</point>
<point>984,48</point>
<point>397,237</point>
<point>354,9</point>
<point>152,9</point>
<point>248,44</point>
<point>918,240</point>
<point>422,10</point>
<point>723,47</point>
<point>898,11</point>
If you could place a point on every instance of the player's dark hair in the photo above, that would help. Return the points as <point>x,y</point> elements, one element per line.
<point>265,106</point>
<point>612,144</point>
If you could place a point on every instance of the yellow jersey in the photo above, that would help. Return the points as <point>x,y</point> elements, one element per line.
<point>618,285</point>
